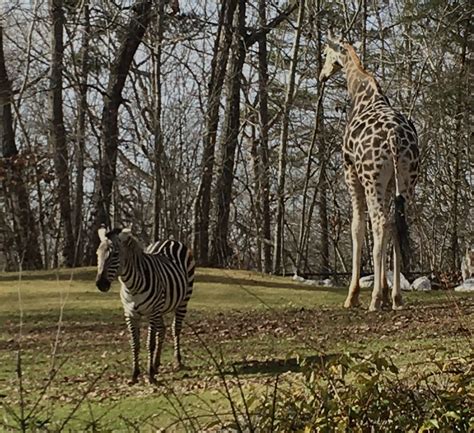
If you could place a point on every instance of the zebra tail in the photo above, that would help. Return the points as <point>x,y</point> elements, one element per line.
<point>190,267</point>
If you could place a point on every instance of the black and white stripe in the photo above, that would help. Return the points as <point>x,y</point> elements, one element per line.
<point>154,281</point>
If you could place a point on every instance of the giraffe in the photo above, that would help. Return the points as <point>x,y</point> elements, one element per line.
<point>381,159</point>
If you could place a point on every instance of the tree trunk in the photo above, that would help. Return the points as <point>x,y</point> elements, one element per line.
<point>14,185</point>
<point>81,138</point>
<point>57,131</point>
<point>460,109</point>
<point>221,251</point>
<point>139,21</point>
<point>202,203</point>
<point>280,217</point>
<point>264,170</point>
<point>158,134</point>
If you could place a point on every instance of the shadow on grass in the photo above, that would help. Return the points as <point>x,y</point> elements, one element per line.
<point>279,365</point>
<point>231,280</point>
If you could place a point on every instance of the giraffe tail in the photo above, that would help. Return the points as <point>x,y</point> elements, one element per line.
<point>401,226</point>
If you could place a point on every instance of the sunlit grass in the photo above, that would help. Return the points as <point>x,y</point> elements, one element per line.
<point>254,324</point>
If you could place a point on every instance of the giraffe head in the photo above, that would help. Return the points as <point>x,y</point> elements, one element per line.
<point>334,53</point>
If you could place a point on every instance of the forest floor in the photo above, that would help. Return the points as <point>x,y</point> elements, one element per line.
<point>242,330</point>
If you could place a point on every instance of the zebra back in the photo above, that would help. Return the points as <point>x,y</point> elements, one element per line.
<point>178,253</point>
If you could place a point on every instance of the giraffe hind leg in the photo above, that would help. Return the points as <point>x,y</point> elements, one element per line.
<point>380,231</point>
<point>397,301</point>
<point>358,231</point>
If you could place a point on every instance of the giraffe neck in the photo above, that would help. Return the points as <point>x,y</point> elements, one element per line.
<point>362,87</point>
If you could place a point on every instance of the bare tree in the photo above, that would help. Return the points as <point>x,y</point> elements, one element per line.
<point>221,251</point>
<point>14,179</point>
<point>280,216</point>
<point>263,181</point>
<point>139,21</point>
<point>81,133</point>
<point>57,131</point>
<point>158,134</point>
<point>202,205</point>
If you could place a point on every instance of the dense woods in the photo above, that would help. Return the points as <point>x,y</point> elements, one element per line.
<point>205,121</point>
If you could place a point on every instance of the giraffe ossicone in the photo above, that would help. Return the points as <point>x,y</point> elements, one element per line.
<point>381,160</point>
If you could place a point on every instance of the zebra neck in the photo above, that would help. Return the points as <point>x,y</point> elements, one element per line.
<point>132,276</point>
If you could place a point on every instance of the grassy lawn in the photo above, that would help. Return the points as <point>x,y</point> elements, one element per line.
<point>248,326</point>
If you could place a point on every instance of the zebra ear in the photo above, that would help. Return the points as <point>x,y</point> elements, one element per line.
<point>125,234</point>
<point>102,233</point>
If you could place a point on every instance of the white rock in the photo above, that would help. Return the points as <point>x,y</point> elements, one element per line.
<point>296,277</point>
<point>467,286</point>
<point>311,282</point>
<point>366,282</point>
<point>404,284</point>
<point>422,284</point>
<point>327,282</point>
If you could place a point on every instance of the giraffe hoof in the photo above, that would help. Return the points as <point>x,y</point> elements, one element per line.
<point>351,302</point>
<point>375,306</point>
<point>397,303</point>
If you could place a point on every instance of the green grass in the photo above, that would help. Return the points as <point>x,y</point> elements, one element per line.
<point>257,325</point>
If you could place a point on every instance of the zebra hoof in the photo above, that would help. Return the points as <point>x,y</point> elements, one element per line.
<point>152,380</point>
<point>133,381</point>
<point>178,366</point>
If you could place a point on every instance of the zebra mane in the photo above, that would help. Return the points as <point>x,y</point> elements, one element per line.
<point>129,241</point>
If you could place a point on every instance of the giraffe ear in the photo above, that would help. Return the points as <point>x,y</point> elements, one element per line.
<point>358,45</point>
<point>333,41</point>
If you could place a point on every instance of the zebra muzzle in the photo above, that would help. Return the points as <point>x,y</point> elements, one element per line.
<point>102,284</point>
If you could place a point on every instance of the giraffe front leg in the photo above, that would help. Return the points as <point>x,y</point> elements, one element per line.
<point>176,328</point>
<point>134,331</point>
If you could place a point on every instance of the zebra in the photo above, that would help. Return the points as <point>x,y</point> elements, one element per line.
<point>154,281</point>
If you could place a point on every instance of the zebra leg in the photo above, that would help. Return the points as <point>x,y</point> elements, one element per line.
<point>151,352</point>
<point>176,327</point>
<point>159,325</point>
<point>134,330</point>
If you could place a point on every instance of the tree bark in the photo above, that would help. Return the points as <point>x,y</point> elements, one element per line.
<point>264,169</point>
<point>221,251</point>
<point>158,134</point>
<point>202,204</point>
<point>14,180</point>
<point>57,132</point>
<point>280,217</point>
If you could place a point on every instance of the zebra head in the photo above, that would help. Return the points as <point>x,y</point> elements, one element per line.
<point>108,258</point>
